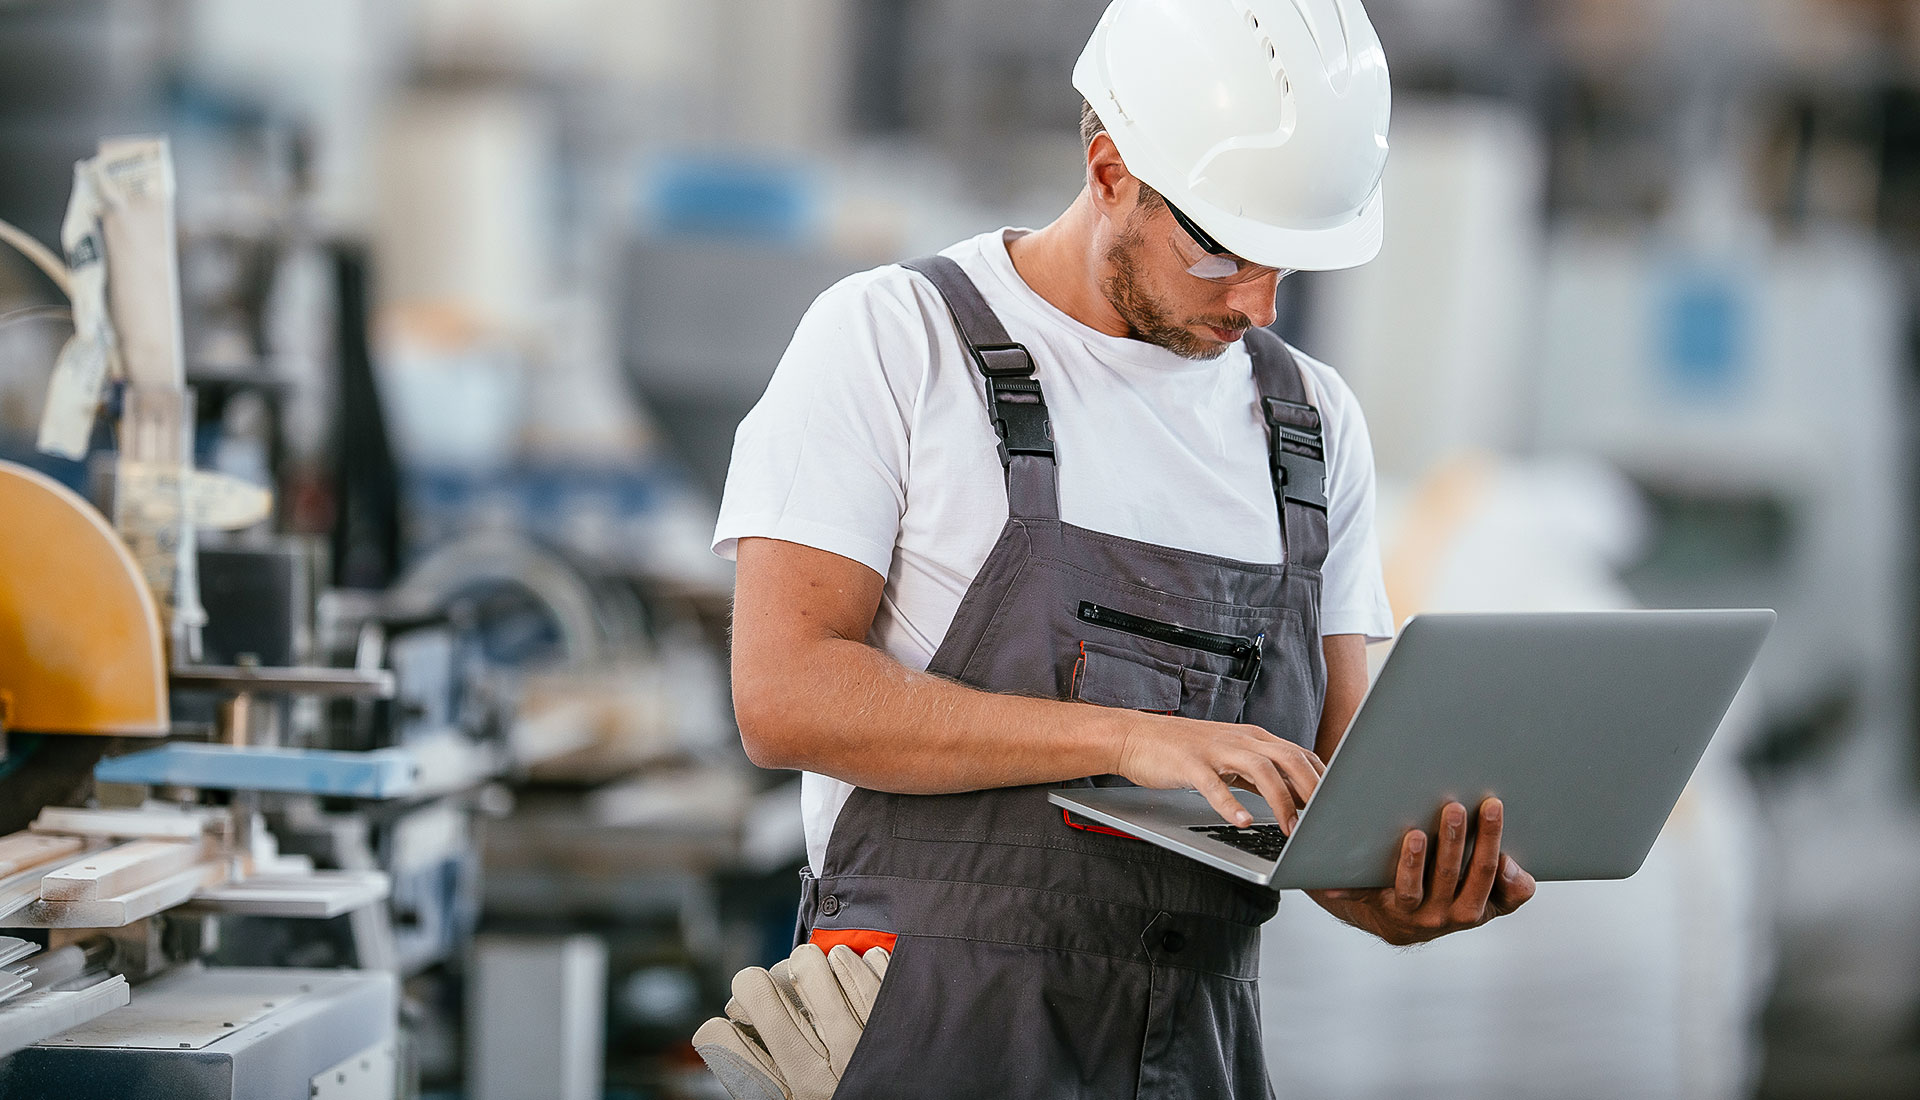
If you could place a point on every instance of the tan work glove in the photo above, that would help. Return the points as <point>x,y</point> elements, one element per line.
<point>790,1031</point>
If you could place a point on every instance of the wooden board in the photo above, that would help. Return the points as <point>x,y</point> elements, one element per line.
<point>22,888</point>
<point>119,870</point>
<point>181,825</point>
<point>19,851</point>
<point>121,910</point>
<point>315,894</point>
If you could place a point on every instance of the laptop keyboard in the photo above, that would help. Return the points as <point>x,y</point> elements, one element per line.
<point>1264,841</point>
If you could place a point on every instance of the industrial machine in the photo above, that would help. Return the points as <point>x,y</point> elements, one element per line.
<point>150,746</point>
<point>290,805</point>
<point>97,897</point>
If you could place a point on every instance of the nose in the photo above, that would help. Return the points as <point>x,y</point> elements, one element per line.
<point>1255,299</point>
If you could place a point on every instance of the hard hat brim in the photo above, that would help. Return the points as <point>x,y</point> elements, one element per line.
<point>1349,244</point>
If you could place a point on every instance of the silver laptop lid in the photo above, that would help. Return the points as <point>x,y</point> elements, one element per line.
<point>1586,724</point>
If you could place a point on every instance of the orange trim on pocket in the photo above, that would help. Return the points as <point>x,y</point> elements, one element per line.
<point>1073,694</point>
<point>860,939</point>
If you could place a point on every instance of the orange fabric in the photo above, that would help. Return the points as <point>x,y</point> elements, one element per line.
<point>860,939</point>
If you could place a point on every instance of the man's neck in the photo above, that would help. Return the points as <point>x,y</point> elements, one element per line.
<point>1062,264</point>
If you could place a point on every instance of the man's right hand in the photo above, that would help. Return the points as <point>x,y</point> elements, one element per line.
<point>1158,750</point>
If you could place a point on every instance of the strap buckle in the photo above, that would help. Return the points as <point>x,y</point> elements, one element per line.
<point>1302,480</point>
<point>1004,360</point>
<point>1298,452</point>
<point>1019,410</point>
<point>1020,418</point>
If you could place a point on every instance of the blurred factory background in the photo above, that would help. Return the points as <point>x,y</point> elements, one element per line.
<point>479,290</point>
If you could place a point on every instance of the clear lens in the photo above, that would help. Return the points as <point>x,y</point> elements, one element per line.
<point>1219,269</point>
<point>1225,268</point>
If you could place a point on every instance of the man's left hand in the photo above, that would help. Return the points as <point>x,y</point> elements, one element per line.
<point>1454,893</point>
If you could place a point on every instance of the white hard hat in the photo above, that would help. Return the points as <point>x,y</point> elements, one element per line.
<point>1264,121</point>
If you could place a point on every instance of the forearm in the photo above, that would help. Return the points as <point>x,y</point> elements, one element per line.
<point>810,693</point>
<point>1346,656</point>
<point>843,708</point>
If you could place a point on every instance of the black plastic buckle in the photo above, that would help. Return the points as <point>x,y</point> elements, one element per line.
<point>1020,417</point>
<point>1004,360</point>
<point>1019,410</point>
<point>1298,451</point>
<point>1302,480</point>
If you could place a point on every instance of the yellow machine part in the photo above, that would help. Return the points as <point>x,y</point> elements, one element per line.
<point>80,643</point>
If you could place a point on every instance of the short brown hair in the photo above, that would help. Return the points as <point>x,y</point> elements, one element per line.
<point>1090,128</point>
<point>1090,125</point>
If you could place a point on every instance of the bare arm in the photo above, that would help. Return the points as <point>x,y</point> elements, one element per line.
<point>810,693</point>
<point>1346,685</point>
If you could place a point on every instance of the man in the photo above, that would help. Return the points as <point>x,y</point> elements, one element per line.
<point>1065,467</point>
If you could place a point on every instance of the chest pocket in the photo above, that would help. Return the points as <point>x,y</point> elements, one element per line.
<point>1110,676</point>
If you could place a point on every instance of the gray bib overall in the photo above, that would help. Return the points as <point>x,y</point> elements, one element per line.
<point>1035,956</point>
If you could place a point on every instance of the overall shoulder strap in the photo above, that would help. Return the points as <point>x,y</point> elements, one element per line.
<point>1014,402</point>
<point>1296,448</point>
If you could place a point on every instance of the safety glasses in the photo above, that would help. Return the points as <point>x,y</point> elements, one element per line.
<point>1208,259</point>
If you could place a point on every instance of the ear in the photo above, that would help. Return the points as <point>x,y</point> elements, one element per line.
<point>1113,189</point>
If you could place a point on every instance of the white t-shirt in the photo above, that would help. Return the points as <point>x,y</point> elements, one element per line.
<point>872,442</point>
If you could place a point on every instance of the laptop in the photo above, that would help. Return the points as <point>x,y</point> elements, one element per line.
<point>1587,725</point>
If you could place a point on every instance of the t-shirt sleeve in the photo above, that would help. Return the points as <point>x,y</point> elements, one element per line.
<point>822,458</point>
<point>1353,597</point>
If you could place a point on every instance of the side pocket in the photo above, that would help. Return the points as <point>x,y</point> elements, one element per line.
<point>960,1019</point>
<point>1212,697</point>
<point>879,1058</point>
<point>1115,678</point>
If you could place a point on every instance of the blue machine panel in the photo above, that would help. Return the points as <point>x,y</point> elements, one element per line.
<point>381,773</point>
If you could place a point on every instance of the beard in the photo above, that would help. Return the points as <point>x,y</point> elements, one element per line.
<point>1147,319</point>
